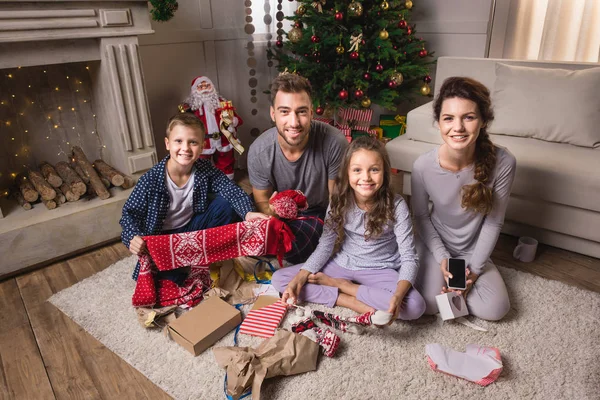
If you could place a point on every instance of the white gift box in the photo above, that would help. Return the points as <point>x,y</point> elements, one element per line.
<point>451,305</point>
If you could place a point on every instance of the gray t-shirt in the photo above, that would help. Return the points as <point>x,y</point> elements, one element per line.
<point>393,249</point>
<point>449,230</point>
<point>269,169</point>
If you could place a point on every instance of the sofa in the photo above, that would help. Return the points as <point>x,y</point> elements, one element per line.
<point>548,116</point>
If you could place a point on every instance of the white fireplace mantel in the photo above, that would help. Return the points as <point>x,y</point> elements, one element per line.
<point>105,34</point>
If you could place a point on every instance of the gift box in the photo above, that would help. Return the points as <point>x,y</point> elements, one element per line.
<point>324,119</point>
<point>392,125</point>
<point>204,325</point>
<point>451,305</point>
<point>264,317</point>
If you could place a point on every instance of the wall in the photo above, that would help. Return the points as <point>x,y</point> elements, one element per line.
<point>208,37</point>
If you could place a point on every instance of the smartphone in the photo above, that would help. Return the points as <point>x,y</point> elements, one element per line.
<point>458,269</point>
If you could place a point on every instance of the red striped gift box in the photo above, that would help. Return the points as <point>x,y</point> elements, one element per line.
<point>263,322</point>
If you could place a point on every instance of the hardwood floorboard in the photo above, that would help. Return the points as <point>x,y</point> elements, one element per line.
<point>22,371</point>
<point>78,365</point>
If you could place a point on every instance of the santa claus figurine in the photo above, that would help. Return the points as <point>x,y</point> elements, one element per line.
<point>220,122</point>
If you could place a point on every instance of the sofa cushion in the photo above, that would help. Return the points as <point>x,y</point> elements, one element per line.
<point>548,171</point>
<point>550,104</point>
<point>421,126</point>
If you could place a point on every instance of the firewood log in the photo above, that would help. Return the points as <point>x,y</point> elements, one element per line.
<point>27,190</point>
<point>50,204</point>
<point>105,181</point>
<point>71,178</point>
<point>16,194</point>
<point>129,182</point>
<point>79,171</point>
<point>91,173</point>
<point>69,193</point>
<point>60,197</point>
<point>109,173</point>
<point>40,184</point>
<point>50,174</point>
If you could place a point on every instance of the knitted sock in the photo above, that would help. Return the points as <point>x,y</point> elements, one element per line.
<point>478,364</point>
<point>335,321</point>
<point>303,325</point>
<point>325,338</point>
<point>371,318</point>
<point>328,340</point>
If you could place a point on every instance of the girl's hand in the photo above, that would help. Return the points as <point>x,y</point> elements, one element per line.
<point>397,298</point>
<point>137,245</point>
<point>293,288</point>
<point>395,306</point>
<point>253,215</point>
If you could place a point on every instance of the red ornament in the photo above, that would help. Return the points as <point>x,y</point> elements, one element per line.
<point>359,93</point>
<point>423,53</point>
<point>279,43</point>
<point>354,55</point>
<point>315,39</point>
<point>392,84</point>
<point>339,16</point>
<point>402,24</point>
<point>367,76</point>
<point>379,68</point>
<point>319,110</point>
<point>298,24</point>
<point>362,42</point>
<point>427,79</point>
<point>343,94</point>
<point>306,55</point>
<point>316,54</point>
<point>395,47</point>
<point>409,31</point>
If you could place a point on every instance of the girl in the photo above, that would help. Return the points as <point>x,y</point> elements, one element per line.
<point>365,259</point>
<point>468,180</point>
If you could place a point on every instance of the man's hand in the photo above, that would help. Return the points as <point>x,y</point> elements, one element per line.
<point>137,245</point>
<point>293,288</point>
<point>261,199</point>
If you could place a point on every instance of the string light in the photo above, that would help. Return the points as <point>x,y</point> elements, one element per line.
<point>59,108</point>
<point>9,76</point>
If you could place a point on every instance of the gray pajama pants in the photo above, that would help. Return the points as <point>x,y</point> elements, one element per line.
<point>376,288</point>
<point>488,298</point>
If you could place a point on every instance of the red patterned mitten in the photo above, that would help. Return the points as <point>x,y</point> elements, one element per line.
<point>288,203</point>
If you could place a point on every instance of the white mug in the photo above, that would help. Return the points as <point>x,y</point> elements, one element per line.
<point>525,250</point>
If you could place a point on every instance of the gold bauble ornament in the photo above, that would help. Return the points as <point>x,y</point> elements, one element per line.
<point>340,49</point>
<point>295,35</point>
<point>408,4</point>
<point>425,89</point>
<point>384,35</point>
<point>365,102</point>
<point>397,78</point>
<point>355,9</point>
<point>301,10</point>
<point>385,5</point>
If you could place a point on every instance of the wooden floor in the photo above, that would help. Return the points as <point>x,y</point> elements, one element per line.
<point>45,355</point>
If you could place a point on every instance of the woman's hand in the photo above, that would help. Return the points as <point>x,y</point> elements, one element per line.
<point>293,288</point>
<point>253,215</point>
<point>471,278</point>
<point>137,245</point>
<point>447,275</point>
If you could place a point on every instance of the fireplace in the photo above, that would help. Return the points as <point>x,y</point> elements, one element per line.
<point>87,52</point>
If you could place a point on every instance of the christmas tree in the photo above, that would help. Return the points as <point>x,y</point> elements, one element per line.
<point>355,53</point>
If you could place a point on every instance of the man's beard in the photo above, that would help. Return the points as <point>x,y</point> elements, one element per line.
<point>207,98</point>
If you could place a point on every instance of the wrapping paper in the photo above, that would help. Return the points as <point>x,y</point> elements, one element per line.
<point>286,353</point>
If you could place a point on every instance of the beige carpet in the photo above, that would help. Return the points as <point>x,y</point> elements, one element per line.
<point>550,345</point>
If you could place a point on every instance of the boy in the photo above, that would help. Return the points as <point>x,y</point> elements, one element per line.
<point>176,195</point>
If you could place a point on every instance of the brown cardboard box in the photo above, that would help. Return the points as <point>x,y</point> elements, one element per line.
<point>204,325</point>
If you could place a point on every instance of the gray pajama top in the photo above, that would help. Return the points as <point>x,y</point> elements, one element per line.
<point>393,249</point>
<point>449,230</point>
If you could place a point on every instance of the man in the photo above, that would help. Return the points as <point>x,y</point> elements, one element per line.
<point>298,153</point>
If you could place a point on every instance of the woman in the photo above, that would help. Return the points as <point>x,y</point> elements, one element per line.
<point>468,180</point>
